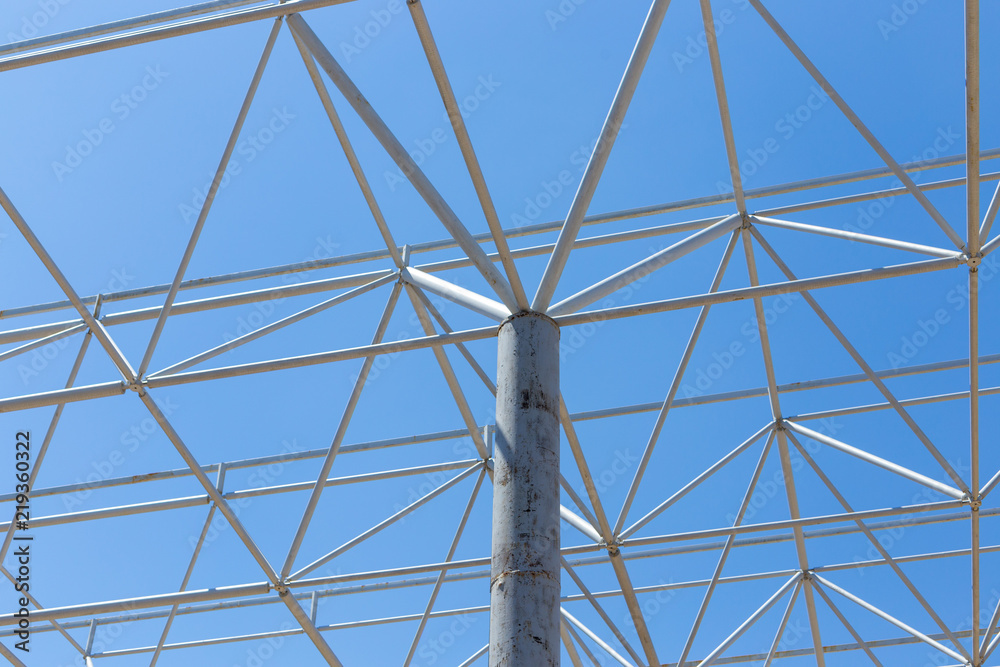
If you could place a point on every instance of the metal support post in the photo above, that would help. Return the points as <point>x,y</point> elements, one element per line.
<point>524,581</point>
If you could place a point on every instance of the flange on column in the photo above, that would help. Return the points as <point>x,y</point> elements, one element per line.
<point>524,578</point>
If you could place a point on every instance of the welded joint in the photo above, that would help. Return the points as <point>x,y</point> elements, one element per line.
<point>746,218</point>
<point>529,313</point>
<point>973,503</point>
<point>281,588</point>
<point>973,261</point>
<point>488,431</point>
<point>507,574</point>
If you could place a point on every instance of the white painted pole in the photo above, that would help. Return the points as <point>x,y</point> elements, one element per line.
<point>524,581</point>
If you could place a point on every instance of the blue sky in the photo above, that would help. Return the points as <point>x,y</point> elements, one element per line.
<point>107,157</point>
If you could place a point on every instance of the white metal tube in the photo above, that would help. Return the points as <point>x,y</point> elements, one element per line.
<point>843,621</point>
<point>468,152</point>
<point>338,438</point>
<point>991,214</point>
<point>123,24</point>
<point>450,378</point>
<point>220,502</point>
<point>350,544</point>
<point>599,609</point>
<point>643,268</point>
<point>708,472</point>
<point>595,638</point>
<point>152,34</point>
<point>273,326</point>
<point>541,228</point>
<point>146,602</point>
<point>895,468</point>
<point>781,626</point>
<point>720,649</point>
<point>309,628</point>
<point>792,286</point>
<point>42,342</point>
<point>884,616</point>
<point>220,173</point>
<point>456,294</point>
<point>917,193</point>
<point>36,245</point>
<point>855,236</point>
<point>599,157</point>
<point>579,523</point>
<point>402,158</point>
<point>972,168</point>
<point>675,386</point>
<point>876,545</point>
<point>524,579</point>
<point>708,21</point>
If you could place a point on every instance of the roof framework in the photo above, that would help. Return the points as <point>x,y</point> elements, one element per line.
<point>610,534</point>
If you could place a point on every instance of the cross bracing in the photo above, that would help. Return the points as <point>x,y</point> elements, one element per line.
<point>816,501</point>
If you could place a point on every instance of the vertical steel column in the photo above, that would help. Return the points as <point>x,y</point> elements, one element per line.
<point>524,581</point>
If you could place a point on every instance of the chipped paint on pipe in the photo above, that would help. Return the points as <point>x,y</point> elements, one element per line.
<point>524,578</point>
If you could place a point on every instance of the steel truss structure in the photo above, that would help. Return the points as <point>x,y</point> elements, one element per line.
<point>599,533</point>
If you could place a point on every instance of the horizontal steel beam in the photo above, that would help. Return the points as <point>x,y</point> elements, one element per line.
<point>540,228</point>
<point>127,613</point>
<point>123,25</point>
<point>97,41</point>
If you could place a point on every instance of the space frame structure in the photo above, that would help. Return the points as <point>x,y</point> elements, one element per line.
<point>609,533</point>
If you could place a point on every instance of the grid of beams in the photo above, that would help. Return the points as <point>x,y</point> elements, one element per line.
<point>611,534</point>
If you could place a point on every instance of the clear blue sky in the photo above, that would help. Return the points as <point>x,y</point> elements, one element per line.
<point>105,156</point>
